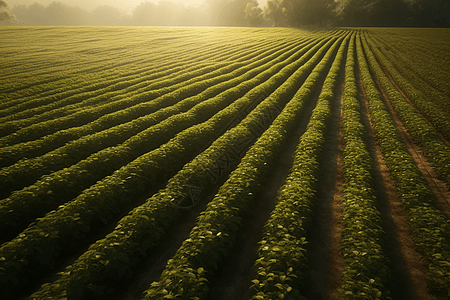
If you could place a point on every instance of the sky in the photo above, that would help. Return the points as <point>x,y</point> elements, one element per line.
<point>125,5</point>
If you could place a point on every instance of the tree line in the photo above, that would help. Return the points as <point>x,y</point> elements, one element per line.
<point>292,13</point>
<point>405,13</point>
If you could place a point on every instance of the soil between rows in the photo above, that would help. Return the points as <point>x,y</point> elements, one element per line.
<point>326,264</point>
<point>322,273</point>
<point>413,105</point>
<point>437,186</point>
<point>150,270</point>
<point>336,260</point>
<point>234,275</point>
<point>238,269</point>
<point>408,272</point>
<point>234,278</point>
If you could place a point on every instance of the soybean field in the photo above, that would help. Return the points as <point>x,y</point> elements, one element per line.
<point>224,163</point>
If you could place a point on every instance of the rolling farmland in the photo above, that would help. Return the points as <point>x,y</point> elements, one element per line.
<point>224,163</point>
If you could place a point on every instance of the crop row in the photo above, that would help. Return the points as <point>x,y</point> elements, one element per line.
<point>432,104</point>
<point>60,186</point>
<point>212,238</point>
<point>64,228</point>
<point>27,171</point>
<point>110,81</point>
<point>58,75</point>
<point>429,226</point>
<point>366,267</point>
<point>282,261</point>
<point>40,70</point>
<point>159,209</point>
<point>98,83</point>
<point>130,115</point>
<point>145,91</point>
<point>423,134</point>
<point>72,95</point>
<point>422,53</point>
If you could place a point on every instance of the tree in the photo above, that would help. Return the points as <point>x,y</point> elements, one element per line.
<point>276,12</point>
<point>145,14</point>
<point>5,13</point>
<point>381,12</point>
<point>105,15</point>
<point>253,13</point>
<point>30,15</point>
<point>308,12</point>
<point>57,13</point>
<point>389,13</point>
<point>356,12</point>
<point>431,13</point>
<point>229,12</point>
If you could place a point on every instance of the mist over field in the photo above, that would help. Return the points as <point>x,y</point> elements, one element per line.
<point>290,13</point>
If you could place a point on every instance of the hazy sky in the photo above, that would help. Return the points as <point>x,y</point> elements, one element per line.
<point>126,5</point>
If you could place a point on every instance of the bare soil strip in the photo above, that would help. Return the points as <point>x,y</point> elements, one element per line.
<point>437,186</point>
<point>320,247</point>
<point>408,271</point>
<point>336,259</point>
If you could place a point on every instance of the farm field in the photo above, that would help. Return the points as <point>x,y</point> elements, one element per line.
<point>224,163</point>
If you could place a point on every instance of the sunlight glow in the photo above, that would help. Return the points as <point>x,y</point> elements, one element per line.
<point>126,6</point>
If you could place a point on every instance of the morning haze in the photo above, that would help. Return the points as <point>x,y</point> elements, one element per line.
<point>291,13</point>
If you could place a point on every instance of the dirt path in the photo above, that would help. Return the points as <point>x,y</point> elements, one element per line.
<point>408,272</point>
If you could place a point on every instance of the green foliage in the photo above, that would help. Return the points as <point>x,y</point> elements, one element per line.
<point>366,267</point>
<point>282,257</point>
<point>97,201</point>
<point>429,226</point>
<point>67,183</point>
<point>195,107</point>
<point>423,134</point>
<point>214,234</point>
